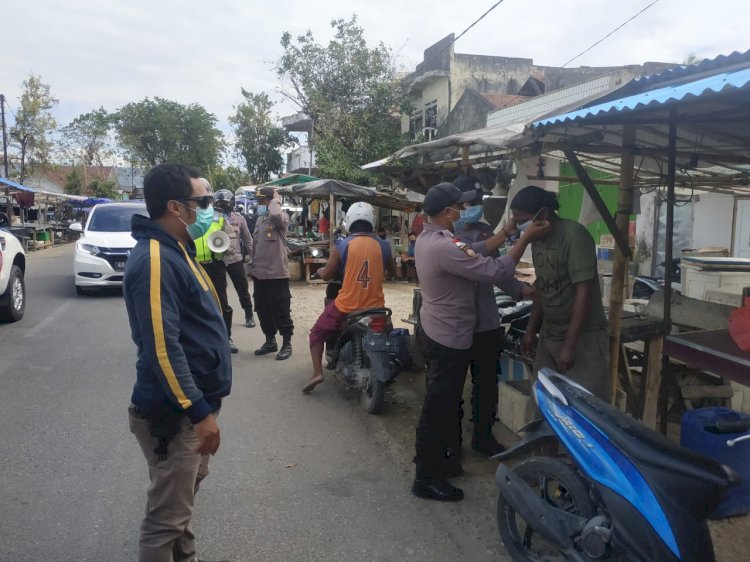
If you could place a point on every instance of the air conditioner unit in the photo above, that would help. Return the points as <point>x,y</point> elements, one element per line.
<point>429,133</point>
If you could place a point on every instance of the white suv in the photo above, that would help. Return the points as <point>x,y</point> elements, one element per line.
<point>12,270</point>
<point>105,243</point>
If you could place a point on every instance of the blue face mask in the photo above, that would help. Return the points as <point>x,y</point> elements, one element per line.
<point>203,220</point>
<point>472,215</point>
<point>262,210</point>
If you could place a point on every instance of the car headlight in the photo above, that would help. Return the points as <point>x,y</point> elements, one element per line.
<point>89,249</point>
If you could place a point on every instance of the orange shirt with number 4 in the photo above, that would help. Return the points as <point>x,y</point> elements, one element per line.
<point>363,260</point>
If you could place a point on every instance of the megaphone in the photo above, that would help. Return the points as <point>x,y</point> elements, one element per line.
<point>218,242</point>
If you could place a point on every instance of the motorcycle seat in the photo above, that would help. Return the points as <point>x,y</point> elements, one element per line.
<point>644,446</point>
<point>354,314</point>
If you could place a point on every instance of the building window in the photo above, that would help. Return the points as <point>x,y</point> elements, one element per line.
<point>415,124</point>
<point>430,115</point>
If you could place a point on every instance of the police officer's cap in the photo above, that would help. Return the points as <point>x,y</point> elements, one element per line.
<point>444,195</point>
<point>265,192</point>
<point>470,185</point>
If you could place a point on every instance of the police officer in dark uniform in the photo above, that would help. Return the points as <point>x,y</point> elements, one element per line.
<point>448,270</point>
<point>473,230</point>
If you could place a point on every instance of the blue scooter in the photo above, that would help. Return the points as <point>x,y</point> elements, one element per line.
<point>623,492</point>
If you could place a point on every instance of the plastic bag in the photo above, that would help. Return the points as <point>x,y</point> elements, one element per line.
<point>739,323</point>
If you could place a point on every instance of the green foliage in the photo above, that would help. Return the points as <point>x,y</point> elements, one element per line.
<point>74,182</point>
<point>352,94</point>
<point>258,139</point>
<point>34,125</point>
<point>157,131</point>
<point>99,187</point>
<point>229,178</point>
<point>87,138</point>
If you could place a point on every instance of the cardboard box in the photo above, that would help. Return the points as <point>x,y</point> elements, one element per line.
<point>516,407</point>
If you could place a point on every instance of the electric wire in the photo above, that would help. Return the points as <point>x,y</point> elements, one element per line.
<point>610,33</point>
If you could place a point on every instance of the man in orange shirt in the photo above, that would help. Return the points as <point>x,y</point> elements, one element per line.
<point>363,258</point>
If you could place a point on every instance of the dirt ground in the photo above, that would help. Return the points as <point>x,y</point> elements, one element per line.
<point>404,397</point>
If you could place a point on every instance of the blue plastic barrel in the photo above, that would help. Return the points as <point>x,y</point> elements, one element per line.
<point>706,431</point>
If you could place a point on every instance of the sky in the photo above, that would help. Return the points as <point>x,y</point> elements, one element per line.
<point>111,52</point>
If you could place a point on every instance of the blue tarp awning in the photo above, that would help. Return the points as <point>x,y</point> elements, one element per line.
<point>712,85</point>
<point>15,185</point>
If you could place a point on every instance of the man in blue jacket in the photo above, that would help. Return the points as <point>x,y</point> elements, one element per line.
<point>184,364</point>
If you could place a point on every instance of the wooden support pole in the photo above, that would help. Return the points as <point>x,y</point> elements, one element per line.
<point>667,381</point>
<point>652,382</point>
<point>601,206</point>
<point>465,158</point>
<point>620,266</point>
<point>332,222</point>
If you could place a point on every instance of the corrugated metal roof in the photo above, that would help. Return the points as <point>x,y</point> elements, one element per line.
<point>711,85</point>
<point>16,185</point>
<point>685,70</point>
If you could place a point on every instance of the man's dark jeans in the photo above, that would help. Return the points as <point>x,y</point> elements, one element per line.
<point>238,276</point>
<point>217,272</point>
<point>273,304</point>
<point>446,372</point>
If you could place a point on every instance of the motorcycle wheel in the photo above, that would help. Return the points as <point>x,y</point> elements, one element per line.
<point>373,395</point>
<point>561,486</point>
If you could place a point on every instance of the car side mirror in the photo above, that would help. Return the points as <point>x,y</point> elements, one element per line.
<point>76,227</point>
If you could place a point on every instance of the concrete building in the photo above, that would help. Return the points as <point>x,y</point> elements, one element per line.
<point>440,80</point>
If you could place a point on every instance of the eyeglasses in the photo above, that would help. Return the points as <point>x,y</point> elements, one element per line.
<point>203,202</point>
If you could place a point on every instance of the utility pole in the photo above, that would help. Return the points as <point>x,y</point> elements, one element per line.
<point>9,205</point>
<point>5,138</point>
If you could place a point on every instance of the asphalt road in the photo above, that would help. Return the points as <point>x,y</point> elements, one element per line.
<point>295,479</point>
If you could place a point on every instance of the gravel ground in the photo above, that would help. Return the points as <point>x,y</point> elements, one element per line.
<point>731,536</point>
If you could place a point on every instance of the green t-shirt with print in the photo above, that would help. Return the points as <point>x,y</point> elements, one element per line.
<point>565,257</point>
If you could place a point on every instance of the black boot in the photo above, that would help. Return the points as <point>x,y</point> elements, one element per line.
<point>286,349</point>
<point>268,347</point>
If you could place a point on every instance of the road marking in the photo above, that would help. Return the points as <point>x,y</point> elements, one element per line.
<point>33,332</point>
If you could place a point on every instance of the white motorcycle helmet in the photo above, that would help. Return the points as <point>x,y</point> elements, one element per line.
<point>360,212</point>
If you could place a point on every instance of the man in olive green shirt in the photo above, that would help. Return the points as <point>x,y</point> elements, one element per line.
<point>568,314</point>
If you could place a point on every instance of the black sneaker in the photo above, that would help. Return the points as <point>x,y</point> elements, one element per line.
<point>285,352</point>
<point>268,347</point>
<point>438,490</point>
<point>487,446</point>
<point>233,348</point>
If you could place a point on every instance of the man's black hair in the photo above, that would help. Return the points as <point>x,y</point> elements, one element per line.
<point>360,226</point>
<point>532,198</point>
<point>167,182</point>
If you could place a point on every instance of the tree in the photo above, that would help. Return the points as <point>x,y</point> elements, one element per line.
<point>100,187</point>
<point>258,139</point>
<point>157,131</point>
<point>229,178</point>
<point>74,182</point>
<point>87,137</point>
<point>351,93</point>
<point>34,125</point>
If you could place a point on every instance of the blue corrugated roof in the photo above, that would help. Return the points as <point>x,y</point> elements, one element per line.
<point>11,183</point>
<point>711,85</point>
<point>686,70</point>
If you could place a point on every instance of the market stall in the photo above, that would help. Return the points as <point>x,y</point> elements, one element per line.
<point>688,126</point>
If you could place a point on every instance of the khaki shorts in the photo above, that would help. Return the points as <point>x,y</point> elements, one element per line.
<point>591,366</point>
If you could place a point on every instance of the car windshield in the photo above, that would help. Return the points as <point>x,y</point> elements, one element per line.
<point>114,218</point>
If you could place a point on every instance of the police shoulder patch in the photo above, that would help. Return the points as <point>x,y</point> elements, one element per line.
<point>464,248</point>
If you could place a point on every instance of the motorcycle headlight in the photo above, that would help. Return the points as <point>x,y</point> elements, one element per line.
<point>89,249</point>
<point>316,253</point>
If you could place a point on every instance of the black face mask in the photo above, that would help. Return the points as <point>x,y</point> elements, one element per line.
<point>381,236</point>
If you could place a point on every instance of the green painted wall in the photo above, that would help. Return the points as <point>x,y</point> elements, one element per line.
<point>571,198</point>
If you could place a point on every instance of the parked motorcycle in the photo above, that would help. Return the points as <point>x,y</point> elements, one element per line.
<point>362,357</point>
<point>626,492</point>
